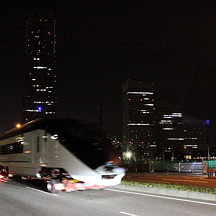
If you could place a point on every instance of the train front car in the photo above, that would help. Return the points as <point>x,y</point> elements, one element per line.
<point>85,153</point>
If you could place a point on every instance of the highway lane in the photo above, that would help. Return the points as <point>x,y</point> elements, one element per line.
<point>22,198</point>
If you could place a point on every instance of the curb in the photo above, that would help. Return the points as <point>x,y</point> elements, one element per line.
<point>166,192</point>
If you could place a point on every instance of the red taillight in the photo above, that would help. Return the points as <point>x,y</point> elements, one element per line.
<point>1,176</point>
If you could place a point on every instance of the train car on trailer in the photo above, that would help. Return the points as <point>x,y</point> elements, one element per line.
<point>58,150</point>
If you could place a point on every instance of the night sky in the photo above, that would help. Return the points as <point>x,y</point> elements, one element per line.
<point>101,44</point>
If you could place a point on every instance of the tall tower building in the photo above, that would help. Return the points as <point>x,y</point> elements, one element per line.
<point>139,119</point>
<point>169,127</point>
<point>40,71</point>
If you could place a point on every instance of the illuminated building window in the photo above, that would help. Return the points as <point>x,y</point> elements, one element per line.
<point>148,104</point>
<point>175,139</point>
<point>32,110</point>
<point>137,124</point>
<point>168,129</point>
<point>173,115</point>
<point>165,122</point>
<point>38,102</point>
<point>47,113</point>
<point>40,89</point>
<point>142,93</point>
<point>152,146</point>
<point>190,146</point>
<point>39,67</point>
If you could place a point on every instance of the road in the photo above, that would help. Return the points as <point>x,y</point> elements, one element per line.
<point>22,198</point>
<point>173,178</point>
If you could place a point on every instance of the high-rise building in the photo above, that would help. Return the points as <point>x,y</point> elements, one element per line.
<point>169,127</point>
<point>139,119</point>
<point>40,71</point>
<point>196,138</point>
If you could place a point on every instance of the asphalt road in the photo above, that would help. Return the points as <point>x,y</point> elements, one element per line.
<point>22,198</point>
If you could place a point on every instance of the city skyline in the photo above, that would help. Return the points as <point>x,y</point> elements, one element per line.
<point>154,128</point>
<point>101,45</point>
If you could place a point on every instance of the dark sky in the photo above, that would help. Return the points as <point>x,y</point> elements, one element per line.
<point>100,44</point>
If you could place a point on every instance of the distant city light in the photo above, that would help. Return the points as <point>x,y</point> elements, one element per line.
<point>39,109</point>
<point>207,122</point>
<point>18,125</point>
<point>128,154</point>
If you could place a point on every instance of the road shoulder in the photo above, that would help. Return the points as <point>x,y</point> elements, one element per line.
<point>166,192</point>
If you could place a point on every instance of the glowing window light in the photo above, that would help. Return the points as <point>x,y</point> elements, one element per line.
<point>142,93</point>
<point>137,124</point>
<point>144,112</point>
<point>40,89</point>
<point>39,102</point>
<point>39,67</point>
<point>177,114</point>
<point>149,104</point>
<point>168,129</point>
<point>175,139</point>
<point>173,115</point>
<point>190,145</point>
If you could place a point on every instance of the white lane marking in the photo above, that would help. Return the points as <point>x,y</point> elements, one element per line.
<point>128,214</point>
<point>163,197</point>
<point>41,191</point>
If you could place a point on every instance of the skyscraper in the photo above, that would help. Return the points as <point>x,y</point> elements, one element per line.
<point>139,119</point>
<point>40,71</point>
<point>169,128</point>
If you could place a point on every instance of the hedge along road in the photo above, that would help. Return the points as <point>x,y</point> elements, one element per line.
<point>172,178</point>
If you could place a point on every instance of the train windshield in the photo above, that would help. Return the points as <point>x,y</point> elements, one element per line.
<point>86,142</point>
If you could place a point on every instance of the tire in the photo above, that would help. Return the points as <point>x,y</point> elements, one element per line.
<point>50,186</point>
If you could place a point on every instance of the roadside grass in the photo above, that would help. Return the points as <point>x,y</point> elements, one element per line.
<point>171,186</point>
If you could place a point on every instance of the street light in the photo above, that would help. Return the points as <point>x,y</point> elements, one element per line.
<point>18,125</point>
<point>128,155</point>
